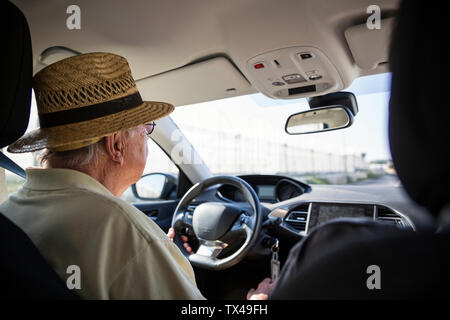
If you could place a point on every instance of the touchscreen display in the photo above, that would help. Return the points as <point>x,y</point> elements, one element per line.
<point>323,212</point>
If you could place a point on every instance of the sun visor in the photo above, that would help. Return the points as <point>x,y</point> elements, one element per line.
<point>208,80</point>
<point>370,47</point>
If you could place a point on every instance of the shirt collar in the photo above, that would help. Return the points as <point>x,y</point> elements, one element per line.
<point>56,178</point>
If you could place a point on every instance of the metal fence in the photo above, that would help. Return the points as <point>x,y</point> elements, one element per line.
<point>236,154</point>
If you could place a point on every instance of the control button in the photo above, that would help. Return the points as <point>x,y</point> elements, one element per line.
<point>313,75</point>
<point>259,65</point>
<point>305,55</point>
<point>293,78</point>
<point>278,83</point>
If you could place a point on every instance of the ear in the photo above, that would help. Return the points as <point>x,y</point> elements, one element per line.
<point>114,146</point>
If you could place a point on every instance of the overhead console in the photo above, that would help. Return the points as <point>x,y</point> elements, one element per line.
<point>294,72</point>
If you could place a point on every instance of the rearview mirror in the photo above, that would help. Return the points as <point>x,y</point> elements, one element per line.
<point>319,120</point>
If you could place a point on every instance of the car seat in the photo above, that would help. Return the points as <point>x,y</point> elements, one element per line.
<point>24,273</point>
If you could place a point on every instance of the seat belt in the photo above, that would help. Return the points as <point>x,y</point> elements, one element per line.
<point>10,165</point>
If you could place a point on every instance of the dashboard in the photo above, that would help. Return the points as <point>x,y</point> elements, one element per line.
<point>305,216</point>
<point>302,207</point>
<point>298,208</point>
<point>269,188</point>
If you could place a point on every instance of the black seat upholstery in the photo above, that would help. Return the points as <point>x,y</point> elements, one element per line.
<point>332,262</point>
<point>24,273</point>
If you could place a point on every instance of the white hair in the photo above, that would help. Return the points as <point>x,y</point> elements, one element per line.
<point>88,155</point>
<point>73,158</point>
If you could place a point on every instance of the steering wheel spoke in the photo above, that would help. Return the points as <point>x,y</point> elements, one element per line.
<point>241,225</point>
<point>182,219</point>
<point>211,248</point>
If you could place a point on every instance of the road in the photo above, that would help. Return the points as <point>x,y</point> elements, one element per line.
<point>385,181</point>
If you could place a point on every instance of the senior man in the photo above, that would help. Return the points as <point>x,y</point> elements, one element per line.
<point>94,128</point>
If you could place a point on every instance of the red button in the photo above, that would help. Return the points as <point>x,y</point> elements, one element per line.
<point>258,66</point>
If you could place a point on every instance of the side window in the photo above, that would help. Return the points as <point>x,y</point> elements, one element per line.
<point>10,182</point>
<point>24,160</point>
<point>13,182</point>
<point>159,180</point>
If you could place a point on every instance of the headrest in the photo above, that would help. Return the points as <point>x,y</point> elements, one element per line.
<point>419,117</point>
<point>17,74</point>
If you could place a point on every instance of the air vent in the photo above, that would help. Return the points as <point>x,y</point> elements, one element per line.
<point>386,213</point>
<point>304,207</point>
<point>298,217</point>
<point>388,216</point>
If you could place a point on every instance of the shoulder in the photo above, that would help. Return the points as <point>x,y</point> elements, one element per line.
<point>338,235</point>
<point>345,229</point>
<point>117,211</point>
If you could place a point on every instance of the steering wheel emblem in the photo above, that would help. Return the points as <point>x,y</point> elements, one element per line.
<point>211,248</point>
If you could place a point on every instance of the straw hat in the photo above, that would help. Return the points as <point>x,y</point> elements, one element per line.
<point>83,98</point>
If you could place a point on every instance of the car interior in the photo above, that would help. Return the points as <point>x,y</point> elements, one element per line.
<point>198,52</point>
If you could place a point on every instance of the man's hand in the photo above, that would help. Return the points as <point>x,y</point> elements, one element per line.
<point>171,235</point>
<point>263,291</point>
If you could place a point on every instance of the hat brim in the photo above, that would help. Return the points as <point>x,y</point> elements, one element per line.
<point>59,136</point>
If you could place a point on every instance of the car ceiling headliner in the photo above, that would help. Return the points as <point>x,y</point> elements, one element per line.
<point>162,35</point>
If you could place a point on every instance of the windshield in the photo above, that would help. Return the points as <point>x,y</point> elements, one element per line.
<point>245,135</point>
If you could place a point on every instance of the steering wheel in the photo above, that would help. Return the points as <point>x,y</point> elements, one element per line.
<point>216,222</point>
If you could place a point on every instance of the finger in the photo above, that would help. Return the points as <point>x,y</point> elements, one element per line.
<point>250,293</point>
<point>171,233</point>
<point>187,247</point>
<point>267,280</point>
<point>265,283</point>
<point>272,284</point>
<point>184,238</point>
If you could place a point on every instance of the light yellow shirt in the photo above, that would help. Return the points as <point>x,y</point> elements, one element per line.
<point>122,254</point>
